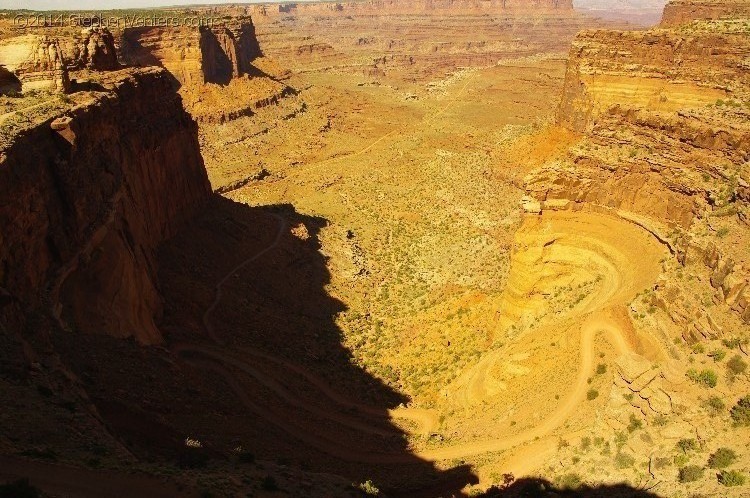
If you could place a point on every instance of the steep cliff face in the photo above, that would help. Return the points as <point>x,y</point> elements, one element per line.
<point>39,61</point>
<point>647,102</point>
<point>659,70</point>
<point>87,198</point>
<point>221,71</point>
<point>195,55</point>
<point>94,49</point>
<point>683,11</point>
<point>664,123</point>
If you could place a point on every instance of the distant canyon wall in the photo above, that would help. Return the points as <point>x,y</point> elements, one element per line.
<point>683,11</point>
<point>385,7</point>
<point>87,199</point>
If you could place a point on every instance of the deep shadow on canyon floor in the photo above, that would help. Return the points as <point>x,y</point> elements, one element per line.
<point>264,370</point>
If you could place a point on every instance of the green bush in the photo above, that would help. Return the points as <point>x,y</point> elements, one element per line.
<point>569,481</point>
<point>585,443</point>
<point>741,411</point>
<point>736,365</point>
<point>715,405</point>
<point>690,473</point>
<point>687,445</point>
<point>707,378</point>
<point>722,458</point>
<point>661,420</point>
<point>717,354</point>
<point>624,461</point>
<point>601,368</point>
<point>635,423</point>
<point>592,394</point>
<point>732,478</point>
<point>369,488</point>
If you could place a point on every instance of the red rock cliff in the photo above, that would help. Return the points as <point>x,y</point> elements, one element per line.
<point>195,55</point>
<point>87,198</point>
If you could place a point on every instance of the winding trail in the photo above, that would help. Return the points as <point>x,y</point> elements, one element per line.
<point>600,315</point>
<point>597,322</point>
<point>218,290</point>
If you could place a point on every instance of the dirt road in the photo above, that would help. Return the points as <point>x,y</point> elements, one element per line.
<point>598,316</point>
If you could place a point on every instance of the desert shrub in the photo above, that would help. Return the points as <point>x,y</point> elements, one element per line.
<point>732,343</point>
<point>601,369</point>
<point>269,484</point>
<point>736,365</point>
<point>690,473</point>
<point>717,354</point>
<point>661,420</point>
<point>585,443</point>
<point>245,457</point>
<point>707,378</point>
<point>624,461</point>
<point>635,423</point>
<point>686,445</point>
<point>661,462</point>
<point>19,489</point>
<point>621,437</point>
<point>741,411</point>
<point>732,478</point>
<point>592,394</point>
<point>569,481</point>
<point>722,458</point>
<point>714,405</point>
<point>369,488</point>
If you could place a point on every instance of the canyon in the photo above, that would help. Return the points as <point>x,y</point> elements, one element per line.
<point>444,248</point>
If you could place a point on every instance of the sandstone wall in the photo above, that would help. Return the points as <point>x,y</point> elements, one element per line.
<point>683,11</point>
<point>94,49</point>
<point>43,61</point>
<point>195,55</point>
<point>660,70</point>
<point>665,142</point>
<point>649,105</point>
<point>87,199</point>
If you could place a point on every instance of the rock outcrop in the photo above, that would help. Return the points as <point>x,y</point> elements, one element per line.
<point>658,112</point>
<point>43,62</point>
<point>683,11</point>
<point>196,55</point>
<point>665,143</point>
<point>94,50</point>
<point>44,69</point>
<point>88,197</point>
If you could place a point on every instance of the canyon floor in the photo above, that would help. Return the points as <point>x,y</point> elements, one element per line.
<point>374,301</point>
